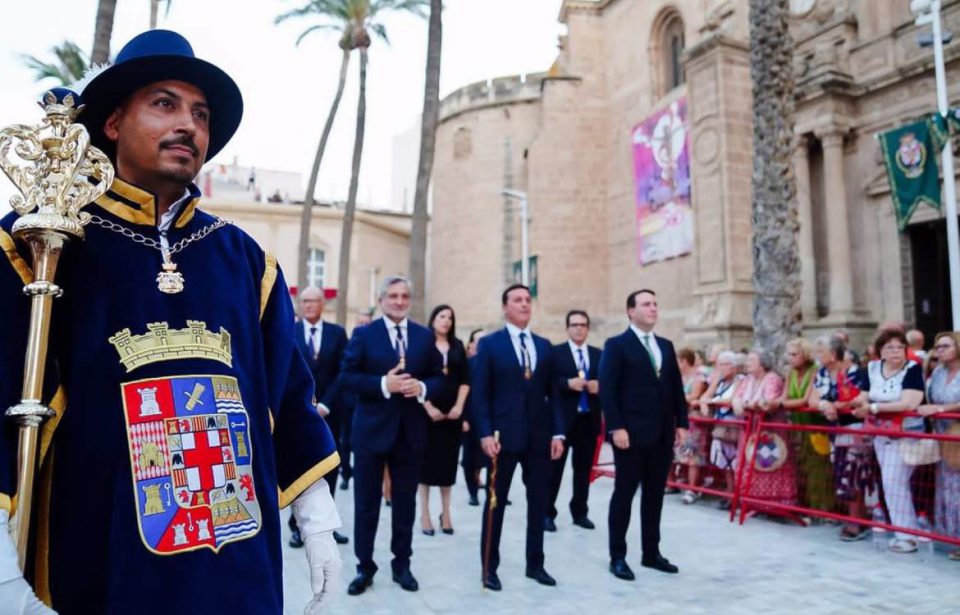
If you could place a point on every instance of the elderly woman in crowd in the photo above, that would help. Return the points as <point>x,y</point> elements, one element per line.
<point>835,390</point>
<point>814,471</point>
<point>896,385</point>
<point>691,451</point>
<point>943,393</point>
<point>773,477</point>
<point>723,449</point>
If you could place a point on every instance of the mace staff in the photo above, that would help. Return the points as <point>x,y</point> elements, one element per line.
<point>57,172</point>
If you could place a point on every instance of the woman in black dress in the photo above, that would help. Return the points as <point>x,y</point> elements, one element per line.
<point>446,420</point>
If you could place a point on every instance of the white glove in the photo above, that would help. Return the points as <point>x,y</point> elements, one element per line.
<point>317,517</point>
<point>16,596</point>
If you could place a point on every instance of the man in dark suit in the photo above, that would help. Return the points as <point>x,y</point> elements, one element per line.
<point>321,344</point>
<point>511,392</point>
<point>391,365</point>
<point>576,369</point>
<point>641,392</point>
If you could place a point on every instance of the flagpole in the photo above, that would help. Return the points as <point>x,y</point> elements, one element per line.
<point>949,186</point>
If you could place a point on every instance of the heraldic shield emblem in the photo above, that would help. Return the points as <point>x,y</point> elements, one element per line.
<point>191,456</point>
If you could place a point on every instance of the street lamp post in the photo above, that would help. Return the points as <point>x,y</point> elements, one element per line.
<point>928,12</point>
<point>524,233</point>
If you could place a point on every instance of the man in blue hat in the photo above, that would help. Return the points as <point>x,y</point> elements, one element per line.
<point>185,416</point>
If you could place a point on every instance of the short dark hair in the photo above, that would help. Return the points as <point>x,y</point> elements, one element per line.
<point>688,355</point>
<point>453,319</point>
<point>888,335</point>
<point>510,289</point>
<point>578,313</point>
<point>473,335</point>
<point>632,297</point>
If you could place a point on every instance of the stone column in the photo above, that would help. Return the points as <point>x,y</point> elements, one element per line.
<point>808,260</point>
<point>838,225</point>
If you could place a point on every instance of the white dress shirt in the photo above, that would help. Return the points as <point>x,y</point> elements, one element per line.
<point>650,341</point>
<point>392,330</point>
<point>515,332</point>
<point>576,356</point>
<point>169,216</point>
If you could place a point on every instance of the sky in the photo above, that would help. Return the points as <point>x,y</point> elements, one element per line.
<point>288,89</point>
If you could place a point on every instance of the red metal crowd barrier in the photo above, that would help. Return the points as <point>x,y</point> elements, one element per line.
<point>773,477</point>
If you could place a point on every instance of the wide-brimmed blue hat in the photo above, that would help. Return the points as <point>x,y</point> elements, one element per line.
<point>160,55</point>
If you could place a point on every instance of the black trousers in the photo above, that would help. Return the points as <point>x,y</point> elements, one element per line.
<point>344,442</point>
<point>536,477</point>
<point>368,467</point>
<point>472,461</point>
<point>635,467</point>
<point>582,439</point>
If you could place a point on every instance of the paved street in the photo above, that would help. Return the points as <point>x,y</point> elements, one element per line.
<point>761,566</point>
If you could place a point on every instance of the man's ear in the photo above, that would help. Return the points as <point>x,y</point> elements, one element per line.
<point>110,127</point>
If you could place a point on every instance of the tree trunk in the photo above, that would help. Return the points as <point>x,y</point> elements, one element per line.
<point>103,31</point>
<point>154,10</point>
<point>306,213</point>
<point>428,136</point>
<point>776,263</point>
<point>343,283</point>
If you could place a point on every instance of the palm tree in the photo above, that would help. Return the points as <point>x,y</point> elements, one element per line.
<point>428,137</point>
<point>355,20</point>
<point>69,66</point>
<point>776,263</point>
<point>155,10</point>
<point>102,31</point>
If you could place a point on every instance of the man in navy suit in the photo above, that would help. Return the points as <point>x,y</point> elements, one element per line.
<point>576,369</point>
<point>511,392</point>
<point>643,402</point>
<point>391,365</point>
<point>321,344</point>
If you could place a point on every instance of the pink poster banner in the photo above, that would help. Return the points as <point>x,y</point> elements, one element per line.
<point>661,165</point>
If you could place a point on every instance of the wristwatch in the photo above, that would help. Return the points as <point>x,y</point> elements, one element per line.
<point>874,408</point>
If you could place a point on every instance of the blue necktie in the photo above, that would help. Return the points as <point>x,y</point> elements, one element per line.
<point>584,405</point>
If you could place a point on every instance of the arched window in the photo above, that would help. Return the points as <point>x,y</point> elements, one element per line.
<point>674,37</point>
<point>316,267</point>
<point>666,52</point>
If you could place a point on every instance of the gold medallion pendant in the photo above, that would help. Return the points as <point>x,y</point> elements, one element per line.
<point>170,281</point>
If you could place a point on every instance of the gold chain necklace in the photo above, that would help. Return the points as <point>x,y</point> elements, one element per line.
<point>169,280</point>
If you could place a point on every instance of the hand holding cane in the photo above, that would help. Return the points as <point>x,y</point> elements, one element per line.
<point>491,506</point>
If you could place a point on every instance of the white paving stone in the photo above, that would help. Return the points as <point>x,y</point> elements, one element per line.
<point>762,566</point>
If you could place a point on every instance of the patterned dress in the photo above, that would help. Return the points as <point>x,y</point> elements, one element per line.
<point>693,448</point>
<point>947,505</point>
<point>814,471</point>
<point>773,476</point>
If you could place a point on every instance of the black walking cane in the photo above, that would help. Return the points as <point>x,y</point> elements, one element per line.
<point>491,505</point>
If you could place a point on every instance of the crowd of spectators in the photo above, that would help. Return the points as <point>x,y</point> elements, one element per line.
<point>898,385</point>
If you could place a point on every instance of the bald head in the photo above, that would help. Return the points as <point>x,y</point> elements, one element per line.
<point>311,304</point>
<point>915,339</point>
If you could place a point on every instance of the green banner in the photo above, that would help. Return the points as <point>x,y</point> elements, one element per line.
<point>910,153</point>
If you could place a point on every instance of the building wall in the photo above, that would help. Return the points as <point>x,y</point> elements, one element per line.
<point>858,71</point>
<point>380,242</point>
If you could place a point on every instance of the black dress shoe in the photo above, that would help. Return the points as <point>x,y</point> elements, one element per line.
<point>473,501</point>
<point>620,570</point>
<point>339,538</point>
<point>406,581</point>
<point>295,540</point>
<point>540,576</point>
<point>549,525</point>
<point>345,484</point>
<point>359,584</point>
<point>428,532</point>
<point>492,582</point>
<point>585,523</point>
<point>659,563</point>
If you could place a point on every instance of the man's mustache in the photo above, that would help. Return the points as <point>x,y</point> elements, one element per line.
<point>185,141</point>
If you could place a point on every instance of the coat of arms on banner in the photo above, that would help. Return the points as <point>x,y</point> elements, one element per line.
<point>911,155</point>
<point>192,462</point>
